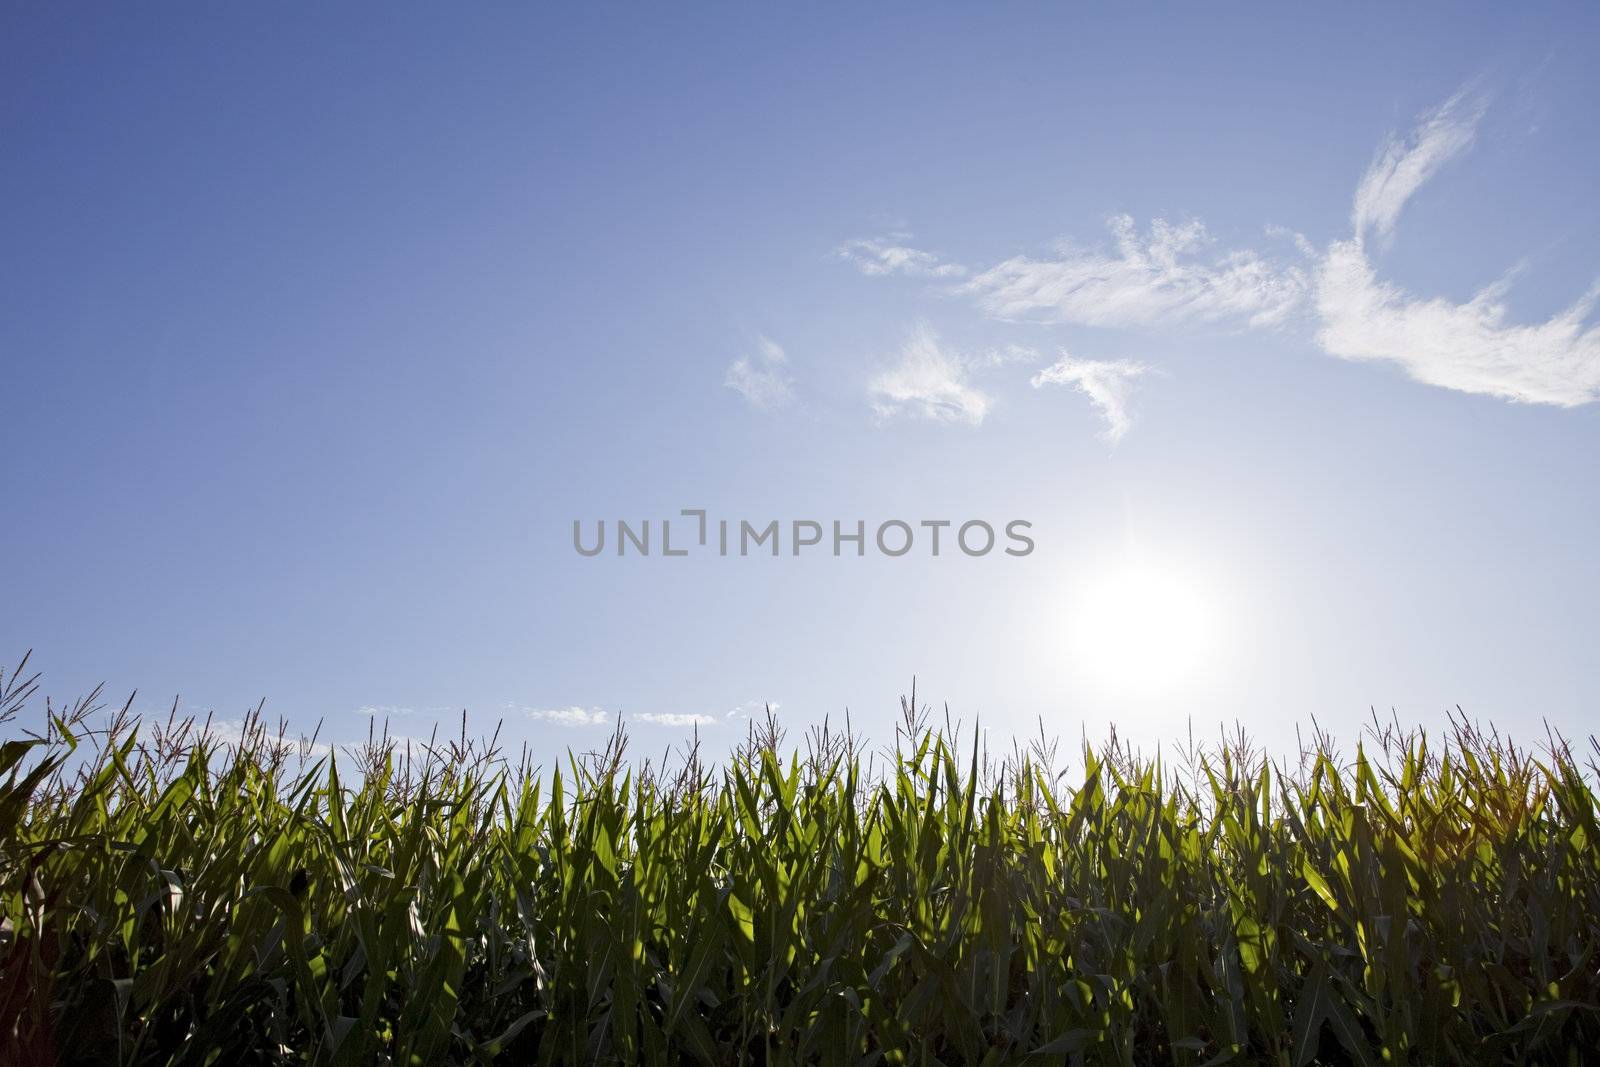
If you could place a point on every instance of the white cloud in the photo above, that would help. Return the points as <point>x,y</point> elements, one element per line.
<point>1171,275</point>
<point>1468,346</point>
<point>237,733</point>
<point>763,380</point>
<point>1160,278</point>
<point>569,716</point>
<point>751,707</point>
<point>384,711</point>
<point>672,718</point>
<point>928,381</point>
<point>1464,346</point>
<point>1107,383</point>
<point>1301,242</point>
<point>1010,355</point>
<point>887,255</point>
<point>1401,167</point>
<point>221,731</point>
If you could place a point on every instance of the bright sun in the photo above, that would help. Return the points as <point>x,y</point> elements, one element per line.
<point>1143,631</point>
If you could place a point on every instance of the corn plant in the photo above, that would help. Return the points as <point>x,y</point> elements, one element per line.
<point>170,899</point>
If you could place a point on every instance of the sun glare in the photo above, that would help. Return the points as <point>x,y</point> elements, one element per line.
<point>1144,631</point>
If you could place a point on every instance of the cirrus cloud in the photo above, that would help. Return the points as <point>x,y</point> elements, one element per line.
<point>1469,346</point>
<point>928,381</point>
<point>1403,165</point>
<point>568,716</point>
<point>763,379</point>
<point>673,718</point>
<point>1107,383</point>
<point>1173,274</point>
<point>890,255</point>
<point>1163,277</point>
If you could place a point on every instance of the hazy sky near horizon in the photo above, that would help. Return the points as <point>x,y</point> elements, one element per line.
<point>320,327</point>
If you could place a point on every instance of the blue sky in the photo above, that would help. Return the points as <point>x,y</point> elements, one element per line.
<point>321,328</point>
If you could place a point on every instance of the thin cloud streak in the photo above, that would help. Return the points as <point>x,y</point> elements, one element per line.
<point>763,380</point>
<point>390,711</point>
<point>568,716</point>
<point>1009,355</point>
<point>1402,166</point>
<point>750,708</point>
<point>672,718</point>
<point>1160,278</point>
<point>879,256</point>
<point>1109,385</point>
<point>928,381</point>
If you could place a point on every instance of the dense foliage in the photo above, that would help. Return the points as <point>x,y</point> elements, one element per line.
<point>171,899</point>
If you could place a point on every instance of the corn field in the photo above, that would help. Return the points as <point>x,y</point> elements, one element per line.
<point>170,898</point>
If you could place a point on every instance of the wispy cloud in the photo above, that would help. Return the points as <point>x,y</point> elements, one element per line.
<point>1009,355</point>
<point>384,711</point>
<point>1108,384</point>
<point>1470,346</point>
<point>673,718</point>
<point>1174,274</point>
<point>750,708</point>
<point>568,716</point>
<point>890,255</point>
<point>928,381</point>
<point>1166,276</point>
<point>763,379</point>
<point>1467,346</point>
<point>248,733</point>
<point>1401,166</point>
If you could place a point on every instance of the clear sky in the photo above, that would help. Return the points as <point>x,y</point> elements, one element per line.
<point>319,327</point>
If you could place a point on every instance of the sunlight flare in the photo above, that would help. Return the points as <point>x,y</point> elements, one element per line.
<point>1144,630</point>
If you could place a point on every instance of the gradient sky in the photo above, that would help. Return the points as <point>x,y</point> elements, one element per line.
<point>321,326</point>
